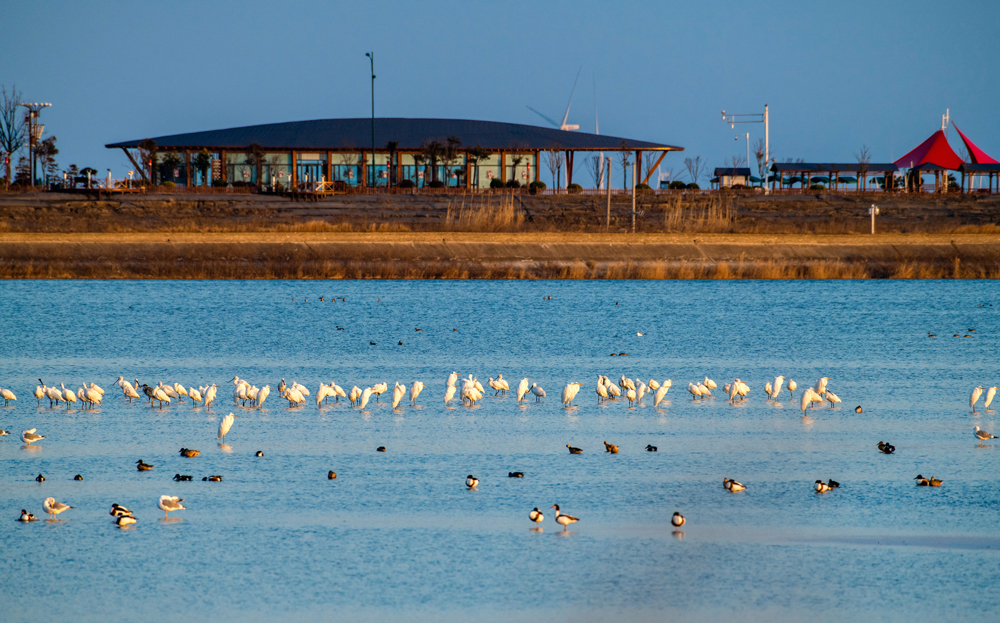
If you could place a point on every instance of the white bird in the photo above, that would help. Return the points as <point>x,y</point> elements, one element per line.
<point>821,385</point>
<point>564,520</point>
<point>449,393</point>
<point>522,389</point>
<point>415,390</point>
<point>502,382</point>
<point>338,391</point>
<point>602,391</point>
<point>398,393</point>
<point>262,395</point>
<point>495,386</point>
<point>170,503</point>
<point>768,391</point>
<point>355,394</point>
<point>30,437</point>
<point>53,508</point>
<point>54,395</point>
<point>81,395</point>
<point>983,435</point>
<point>323,392</point>
<point>95,387</point>
<point>479,386</point>
<point>194,394</point>
<point>225,425</point>
<point>742,389</point>
<point>293,396</point>
<point>792,386</point>
<point>626,383</point>
<point>39,393</point>
<point>452,379</point>
<point>630,394</point>
<point>709,383</point>
<point>734,389</point>
<point>832,398</point>
<point>160,395</point>
<point>569,392</point>
<point>976,393</point>
<point>704,389</point>
<point>614,390</point>
<point>537,391</point>
<point>7,396</point>
<point>471,482</point>
<point>129,391</point>
<point>989,397</point>
<point>93,396</point>
<point>776,390</point>
<point>660,394</point>
<point>252,395</point>
<point>68,395</point>
<point>302,389</point>
<point>678,520</point>
<point>210,395</point>
<point>378,389</point>
<point>639,333</point>
<point>807,399</point>
<point>536,516</point>
<point>653,385</point>
<point>640,391</point>
<point>366,396</point>
<point>168,390</point>
<point>179,389</point>
<point>694,391</point>
<point>732,485</point>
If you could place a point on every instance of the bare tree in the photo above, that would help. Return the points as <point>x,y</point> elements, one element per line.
<point>433,151</point>
<point>760,156</point>
<point>864,158</point>
<point>737,162</point>
<point>554,159</point>
<point>695,168</point>
<point>625,160</point>
<point>13,131</point>
<point>147,157</point>
<point>450,157</point>
<point>45,153</point>
<point>649,160</point>
<point>476,155</point>
<point>595,166</point>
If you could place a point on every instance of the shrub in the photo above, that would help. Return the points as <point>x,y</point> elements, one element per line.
<point>405,184</point>
<point>219,183</point>
<point>536,186</point>
<point>675,185</point>
<point>817,187</point>
<point>167,184</point>
<point>496,183</point>
<point>643,188</point>
<point>436,184</point>
<point>512,183</point>
<point>693,186</point>
<point>574,189</point>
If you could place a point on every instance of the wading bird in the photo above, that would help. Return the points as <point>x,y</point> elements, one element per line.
<point>989,397</point>
<point>225,425</point>
<point>522,388</point>
<point>792,386</point>
<point>29,436</point>
<point>535,515</point>
<point>678,520</point>
<point>974,398</point>
<point>564,520</point>
<point>170,503</point>
<point>415,390</point>
<point>569,393</point>
<point>53,508</point>
<point>398,393</point>
<point>7,396</point>
<point>982,435</point>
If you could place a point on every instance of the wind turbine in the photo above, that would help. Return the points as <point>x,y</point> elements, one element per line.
<point>563,125</point>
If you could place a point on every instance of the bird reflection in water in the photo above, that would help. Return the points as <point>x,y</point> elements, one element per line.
<point>225,447</point>
<point>678,534</point>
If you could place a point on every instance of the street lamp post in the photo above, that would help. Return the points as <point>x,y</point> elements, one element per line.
<point>608,226</point>
<point>371,57</point>
<point>34,133</point>
<point>732,120</point>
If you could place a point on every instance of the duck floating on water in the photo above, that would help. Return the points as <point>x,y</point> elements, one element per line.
<point>212,479</point>
<point>189,453</point>
<point>143,467</point>
<point>573,450</point>
<point>610,447</point>
<point>886,448</point>
<point>39,478</point>
<point>182,478</point>
<point>650,448</point>
<point>516,475</point>
<point>26,517</point>
<point>331,475</point>
<point>731,485</point>
<point>471,481</point>
<point>825,487</point>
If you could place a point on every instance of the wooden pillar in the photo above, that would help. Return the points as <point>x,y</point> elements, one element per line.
<point>223,169</point>
<point>468,172</point>
<point>329,168</point>
<point>638,167</point>
<point>503,166</point>
<point>569,167</point>
<point>364,169</point>
<point>187,165</point>
<point>538,163</point>
<point>293,178</point>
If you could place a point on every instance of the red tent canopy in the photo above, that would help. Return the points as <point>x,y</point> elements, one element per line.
<point>935,151</point>
<point>977,155</point>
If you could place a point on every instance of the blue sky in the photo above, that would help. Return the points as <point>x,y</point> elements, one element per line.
<point>836,75</point>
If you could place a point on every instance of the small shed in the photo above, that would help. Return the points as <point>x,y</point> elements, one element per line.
<point>727,177</point>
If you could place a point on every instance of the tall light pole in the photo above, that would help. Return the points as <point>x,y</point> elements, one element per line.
<point>732,120</point>
<point>608,226</point>
<point>371,57</point>
<point>34,134</point>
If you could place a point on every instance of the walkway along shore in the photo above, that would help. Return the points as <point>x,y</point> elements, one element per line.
<point>428,255</point>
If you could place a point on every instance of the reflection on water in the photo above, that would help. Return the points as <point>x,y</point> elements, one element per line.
<point>400,538</point>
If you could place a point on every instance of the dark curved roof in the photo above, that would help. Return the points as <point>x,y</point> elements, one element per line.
<point>337,134</point>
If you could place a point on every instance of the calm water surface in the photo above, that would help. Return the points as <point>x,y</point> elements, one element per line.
<point>398,537</point>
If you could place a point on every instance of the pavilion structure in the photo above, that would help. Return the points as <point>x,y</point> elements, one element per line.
<point>980,165</point>
<point>934,155</point>
<point>832,174</point>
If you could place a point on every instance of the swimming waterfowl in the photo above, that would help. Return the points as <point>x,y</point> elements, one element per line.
<point>259,453</point>
<point>857,409</point>
<point>564,520</point>
<point>181,478</point>
<point>29,436</point>
<point>731,485</point>
<point>380,449</point>
<point>117,510</point>
<point>921,481</point>
<point>143,467</point>
<point>982,435</point>
<point>189,453</point>
<point>78,477</point>
<point>39,478</point>
<point>125,520</point>
<point>212,479</point>
<point>170,503</point>
<point>535,515</point>
<point>573,450</point>
<point>824,487</point>
<point>886,448</point>
<point>610,447</point>
<point>471,481</point>
<point>53,508</point>
<point>650,448</point>
<point>331,475</point>
<point>26,517</point>
<point>4,432</point>
<point>515,475</point>
<point>678,520</point>
<point>934,482</point>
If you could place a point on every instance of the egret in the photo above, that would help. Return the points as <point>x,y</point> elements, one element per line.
<point>449,393</point>
<point>170,503</point>
<point>982,435</point>
<point>989,397</point>
<point>569,393</point>
<point>640,391</point>
<point>522,388</point>
<point>564,520</point>
<point>398,393</point>
<point>355,394</point>
<point>378,389</point>
<point>832,398</point>
<point>537,391</point>
<point>821,385</point>
<point>293,396</point>
<point>7,396</point>
<point>194,394</point>
<point>452,379</point>
<point>709,383</point>
<point>262,396</point>
<point>807,397</point>
<point>778,381</point>
<point>225,425</point>
<point>365,397</point>
<point>415,390</point>
<point>53,508</point>
<point>29,436</point>
<point>792,386</point>
<point>976,393</point>
<point>210,395</point>
<point>660,394</point>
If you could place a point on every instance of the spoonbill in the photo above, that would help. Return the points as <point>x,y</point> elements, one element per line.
<point>821,385</point>
<point>602,391</point>
<point>54,395</point>
<point>792,386</point>
<point>415,390</point>
<point>39,393</point>
<point>398,393</point>
<point>170,503</point>
<point>768,391</point>
<point>68,395</point>
<point>293,396</point>
<point>522,388</point>
<point>565,520</point>
<point>179,390</point>
<point>569,393</point>
<point>630,394</point>
<point>7,396</point>
<point>378,389</point>
<point>53,508</point>
<point>194,394</point>
<point>537,391</point>
<point>614,391</point>
<point>366,396</point>
<point>225,425</point>
<point>355,394</point>
<point>653,384</point>
<point>262,395</point>
<point>976,393</point>
<point>338,391</point>
<point>160,395</point>
<point>210,395</point>
<point>832,398</point>
<point>502,382</point>
<point>709,383</point>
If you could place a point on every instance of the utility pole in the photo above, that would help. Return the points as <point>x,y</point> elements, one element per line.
<point>732,120</point>
<point>34,134</point>
<point>371,57</point>
<point>633,191</point>
<point>608,226</point>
